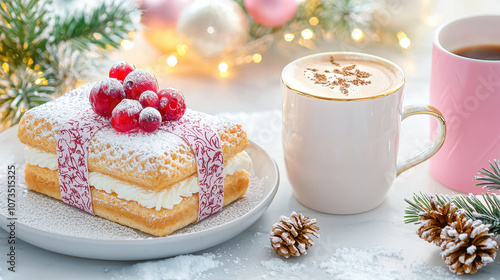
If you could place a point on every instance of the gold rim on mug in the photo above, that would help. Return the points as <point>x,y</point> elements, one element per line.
<point>427,110</point>
<point>360,55</point>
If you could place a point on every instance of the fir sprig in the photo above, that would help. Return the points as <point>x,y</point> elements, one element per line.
<point>44,50</point>
<point>22,93</point>
<point>490,178</point>
<point>23,26</point>
<point>487,211</point>
<point>103,26</point>
<point>342,16</point>
<point>422,203</point>
<point>485,207</point>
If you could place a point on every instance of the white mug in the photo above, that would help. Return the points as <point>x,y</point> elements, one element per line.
<point>341,154</point>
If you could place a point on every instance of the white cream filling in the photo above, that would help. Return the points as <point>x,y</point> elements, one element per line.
<point>147,198</point>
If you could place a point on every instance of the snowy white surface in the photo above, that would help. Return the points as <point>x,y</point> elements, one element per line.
<point>372,245</point>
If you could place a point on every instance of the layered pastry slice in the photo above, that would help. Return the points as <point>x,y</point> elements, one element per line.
<point>147,181</point>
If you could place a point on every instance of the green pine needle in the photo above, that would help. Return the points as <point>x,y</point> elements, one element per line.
<point>421,203</point>
<point>487,211</point>
<point>490,178</point>
<point>22,31</point>
<point>44,51</point>
<point>103,27</point>
<point>342,16</point>
<point>21,93</point>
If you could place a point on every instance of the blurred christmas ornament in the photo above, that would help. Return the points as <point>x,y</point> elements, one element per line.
<point>271,13</point>
<point>212,27</point>
<point>160,20</point>
<point>216,33</point>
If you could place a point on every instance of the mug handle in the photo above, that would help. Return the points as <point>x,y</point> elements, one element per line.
<point>437,142</point>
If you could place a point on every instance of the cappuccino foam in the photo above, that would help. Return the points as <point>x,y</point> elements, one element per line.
<point>342,76</point>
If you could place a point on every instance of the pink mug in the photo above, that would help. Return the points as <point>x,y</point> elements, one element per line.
<point>467,92</point>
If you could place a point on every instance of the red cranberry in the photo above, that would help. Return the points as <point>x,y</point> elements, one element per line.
<point>137,82</point>
<point>126,116</point>
<point>149,99</point>
<point>172,105</point>
<point>105,95</point>
<point>149,119</point>
<point>120,70</point>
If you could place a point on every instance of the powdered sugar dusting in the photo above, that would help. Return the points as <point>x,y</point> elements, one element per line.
<point>111,83</point>
<point>388,261</point>
<point>427,272</point>
<point>128,106</point>
<point>149,113</point>
<point>148,155</point>
<point>280,266</point>
<point>59,111</point>
<point>120,63</point>
<point>351,263</point>
<point>180,267</point>
<point>140,76</point>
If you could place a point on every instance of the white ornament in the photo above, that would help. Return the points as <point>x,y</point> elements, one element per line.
<point>213,27</point>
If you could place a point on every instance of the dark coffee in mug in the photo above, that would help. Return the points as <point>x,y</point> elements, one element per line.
<point>483,52</point>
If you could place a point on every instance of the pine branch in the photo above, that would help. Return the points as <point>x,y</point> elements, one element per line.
<point>488,212</point>
<point>44,51</point>
<point>69,66</point>
<point>340,17</point>
<point>22,30</point>
<point>103,26</point>
<point>21,92</point>
<point>491,179</point>
<point>421,203</point>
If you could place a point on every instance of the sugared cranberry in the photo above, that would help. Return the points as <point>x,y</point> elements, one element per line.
<point>120,70</point>
<point>172,105</point>
<point>149,99</point>
<point>105,95</point>
<point>137,82</point>
<point>126,116</point>
<point>149,119</point>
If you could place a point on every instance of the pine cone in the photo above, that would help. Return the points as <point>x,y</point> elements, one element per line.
<point>467,245</point>
<point>289,237</point>
<point>435,219</point>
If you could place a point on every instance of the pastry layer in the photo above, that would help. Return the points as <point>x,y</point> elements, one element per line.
<point>166,198</point>
<point>150,160</point>
<point>131,213</point>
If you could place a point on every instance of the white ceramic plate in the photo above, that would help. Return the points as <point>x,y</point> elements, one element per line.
<point>52,225</point>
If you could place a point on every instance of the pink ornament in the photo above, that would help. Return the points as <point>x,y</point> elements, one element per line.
<point>160,20</point>
<point>162,12</point>
<point>271,13</point>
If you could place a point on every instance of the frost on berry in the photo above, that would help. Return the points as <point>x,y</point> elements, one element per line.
<point>171,105</point>
<point>149,119</point>
<point>120,70</point>
<point>105,95</point>
<point>149,99</point>
<point>125,117</point>
<point>139,81</point>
